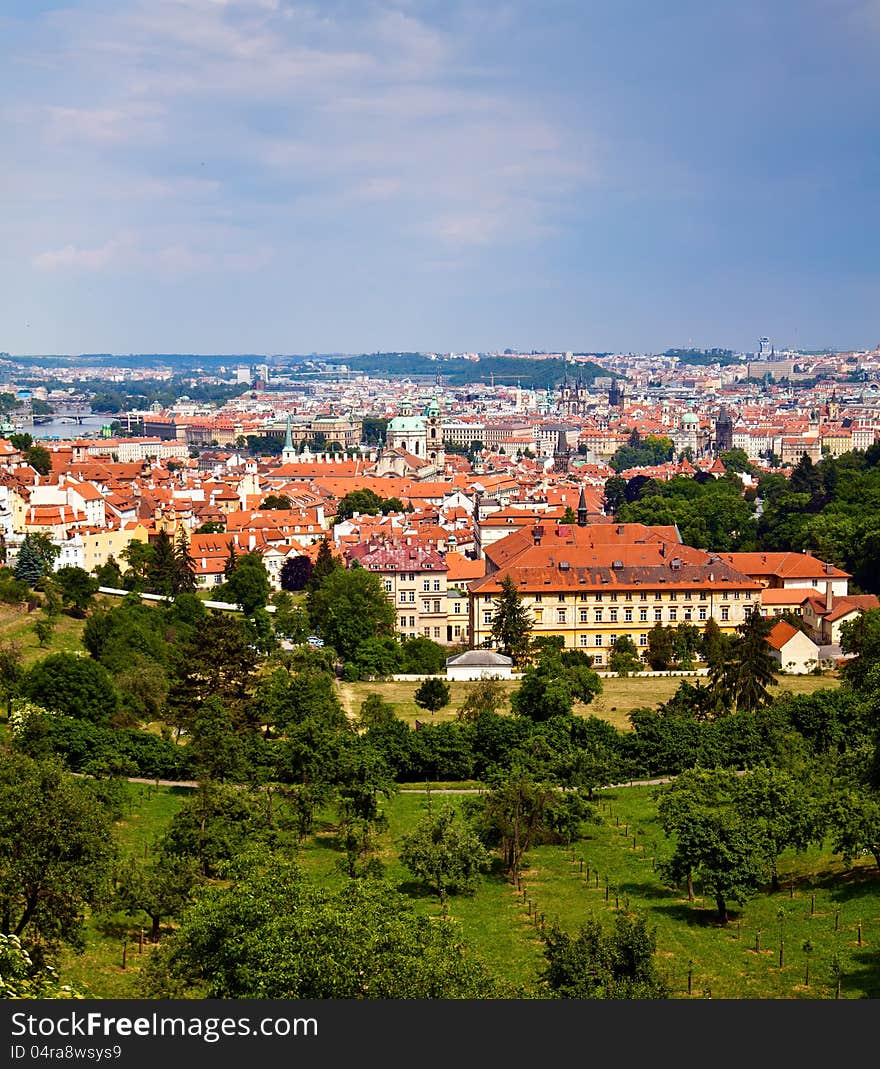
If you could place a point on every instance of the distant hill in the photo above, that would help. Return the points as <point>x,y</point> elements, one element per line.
<point>704,357</point>
<point>506,370</point>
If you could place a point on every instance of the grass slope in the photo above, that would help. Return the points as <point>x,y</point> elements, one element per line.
<point>618,698</point>
<point>819,901</point>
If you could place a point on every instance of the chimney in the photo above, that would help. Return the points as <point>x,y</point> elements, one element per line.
<point>537,533</point>
<point>829,595</point>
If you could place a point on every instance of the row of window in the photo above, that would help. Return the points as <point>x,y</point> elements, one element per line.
<point>404,577</point>
<point>687,595</point>
<point>672,616</point>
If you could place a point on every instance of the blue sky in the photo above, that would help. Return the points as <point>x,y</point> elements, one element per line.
<point>228,176</point>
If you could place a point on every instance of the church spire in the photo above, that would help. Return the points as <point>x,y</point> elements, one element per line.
<point>582,510</point>
<point>288,453</point>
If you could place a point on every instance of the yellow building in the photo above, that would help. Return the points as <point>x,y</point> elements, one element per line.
<point>592,584</point>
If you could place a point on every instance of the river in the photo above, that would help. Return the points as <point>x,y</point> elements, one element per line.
<point>89,427</point>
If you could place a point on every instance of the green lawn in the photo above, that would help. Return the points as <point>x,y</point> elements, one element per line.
<point>97,971</point>
<point>816,893</point>
<point>17,625</point>
<point>618,698</point>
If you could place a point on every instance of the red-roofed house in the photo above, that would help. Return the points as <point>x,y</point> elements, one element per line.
<point>795,651</point>
<point>414,577</point>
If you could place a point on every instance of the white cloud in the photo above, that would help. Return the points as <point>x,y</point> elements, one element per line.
<point>135,121</point>
<point>129,250</point>
<point>308,108</point>
<point>89,259</point>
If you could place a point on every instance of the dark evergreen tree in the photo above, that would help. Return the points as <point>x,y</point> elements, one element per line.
<point>231,560</point>
<point>185,579</point>
<point>511,623</point>
<point>755,669</point>
<point>28,567</point>
<point>325,563</point>
<point>162,572</point>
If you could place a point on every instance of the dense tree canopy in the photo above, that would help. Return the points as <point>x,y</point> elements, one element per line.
<point>74,686</point>
<point>350,607</point>
<point>273,934</point>
<point>56,850</point>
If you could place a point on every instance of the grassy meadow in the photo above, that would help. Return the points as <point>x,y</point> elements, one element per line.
<point>819,900</point>
<point>618,698</point>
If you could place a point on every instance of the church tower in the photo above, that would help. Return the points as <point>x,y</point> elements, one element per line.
<point>561,454</point>
<point>288,453</point>
<point>582,510</point>
<point>435,451</point>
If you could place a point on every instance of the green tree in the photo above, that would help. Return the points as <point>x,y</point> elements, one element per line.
<point>56,850</point>
<point>375,712</point>
<point>737,460</point>
<point>366,502</point>
<point>661,648</point>
<point>482,696</point>
<point>276,502</point>
<point>185,575</point>
<point>444,853</point>
<point>23,978</point>
<point>274,934</point>
<point>162,573</point>
<point>615,494</point>
<point>606,965</point>
<point>432,694</point>
<point>325,563</point>
<point>39,458</point>
<point>215,659</point>
<point>713,842</point>
<point>138,559</point>
<point>160,887</point>
<point>624,659</point>
<point>28,566</point>
<point>805,477</point>
<point>215,745</point>
<point>77,588</point>
<point>12,671</point>
<point>74,686</point>
<point>783,809</point>
<point>861,638</point>
<point>746,669</point>
<point>511,622</point>
<point>291,620</point>
<point>349,607</point>
<point>686,645</point>
<point>248,584</point>
<point>422,656</point>
<point>214,826</point>
<point>513,815</point>
<point>854,823</point>
<point>44,628</point>
<point>109,574</point>
<point>568,517</point>
<point>211,527</point>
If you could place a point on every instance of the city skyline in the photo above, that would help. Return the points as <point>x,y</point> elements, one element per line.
<point>250,176</point>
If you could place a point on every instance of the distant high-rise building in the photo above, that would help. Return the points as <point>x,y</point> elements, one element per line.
<point>765,349</point>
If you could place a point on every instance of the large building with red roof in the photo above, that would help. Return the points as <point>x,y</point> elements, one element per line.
<point>592,584</point>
